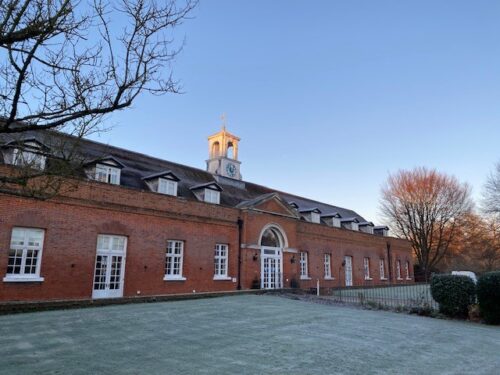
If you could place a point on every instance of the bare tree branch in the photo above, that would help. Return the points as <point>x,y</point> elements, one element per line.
<point>65,65</point>
<point>491,193</point>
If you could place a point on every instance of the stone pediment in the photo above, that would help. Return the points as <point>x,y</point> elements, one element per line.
<point>272,203</point>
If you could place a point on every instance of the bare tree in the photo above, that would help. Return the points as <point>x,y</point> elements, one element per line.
<point>424,207</point>
<point>491,193</point>
<point>66,64</point>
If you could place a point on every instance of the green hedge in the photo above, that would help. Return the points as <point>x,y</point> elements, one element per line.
<point>488,294</point>
<point>454,293</point>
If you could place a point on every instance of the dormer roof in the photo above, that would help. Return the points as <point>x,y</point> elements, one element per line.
<point>24,143</point>
<point>349,220</point>
<point>332,214</point>
<point>209,185</point>
<point>366,223</point>
<point>313,209</point>
<point>165,174</point>
<point>108,160</point>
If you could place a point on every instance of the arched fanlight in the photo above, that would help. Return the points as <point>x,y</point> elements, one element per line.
<point>272,238</point>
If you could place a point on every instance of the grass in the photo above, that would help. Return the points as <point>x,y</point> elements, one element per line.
<point>242,335</point>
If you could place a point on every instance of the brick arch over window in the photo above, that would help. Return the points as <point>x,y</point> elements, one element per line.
<point>273,235</point>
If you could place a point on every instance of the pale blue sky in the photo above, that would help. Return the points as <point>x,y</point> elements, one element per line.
<point>330,96</point>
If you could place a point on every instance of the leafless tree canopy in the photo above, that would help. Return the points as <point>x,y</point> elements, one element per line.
<point>491,195</point>
<point>425,206</point>
<point>65,64</point>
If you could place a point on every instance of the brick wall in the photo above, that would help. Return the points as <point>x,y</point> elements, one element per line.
<point>73,221</point>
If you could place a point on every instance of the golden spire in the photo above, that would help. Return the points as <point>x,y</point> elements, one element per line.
<point>223,118</point>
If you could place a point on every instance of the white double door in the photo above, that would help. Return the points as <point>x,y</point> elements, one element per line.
<point>109,267</point>
<point>271,268</point>
<point>348,270</point>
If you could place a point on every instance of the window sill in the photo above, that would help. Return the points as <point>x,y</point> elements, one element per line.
<point>408,278</point>
<point>368,278</point>
<point>399,278</point>
<point>305,278</point>
<point>223,278</point>
<point>22,279</point>
<point>329,278</point>
<point>174,278</point>
<point>384,278</point>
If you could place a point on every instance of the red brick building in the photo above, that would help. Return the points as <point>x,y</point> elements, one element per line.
<point>140,226</point>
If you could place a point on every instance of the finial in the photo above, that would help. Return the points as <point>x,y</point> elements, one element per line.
<point>223,118</point>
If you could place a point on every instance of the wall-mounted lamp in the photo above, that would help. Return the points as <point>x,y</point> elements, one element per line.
<point>256,256</point>
<point>292,260</point>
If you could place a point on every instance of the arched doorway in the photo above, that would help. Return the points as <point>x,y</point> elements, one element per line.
<point>272,242</point>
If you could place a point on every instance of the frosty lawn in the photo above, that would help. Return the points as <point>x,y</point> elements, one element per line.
<point>242,335</point>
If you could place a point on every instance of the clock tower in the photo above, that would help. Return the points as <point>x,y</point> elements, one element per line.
<point>223,154</point>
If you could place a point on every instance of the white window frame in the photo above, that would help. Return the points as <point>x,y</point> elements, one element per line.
<point>167,186</point>
<point>25,158</point>
<point>212,196</point>
<point>174,273</point>
<point>366,267</point>
<point>398,270</point>
<point>382,269</point>
<point>407,270</point>
<point>315,218</point>
<point>328,266</point>
<point>107,173</point>
<point>24,247</point>
<point>221,257</point>
<point>304,266</point>
<point>336,222</point>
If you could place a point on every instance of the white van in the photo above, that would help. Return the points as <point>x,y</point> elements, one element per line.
<point>470,274</point>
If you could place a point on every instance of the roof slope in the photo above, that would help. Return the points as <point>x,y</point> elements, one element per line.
<point>137,166</point>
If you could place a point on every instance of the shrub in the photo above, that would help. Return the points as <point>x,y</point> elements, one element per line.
<point>454,294</point>
<point>255,283</point>
<point>488,294</point>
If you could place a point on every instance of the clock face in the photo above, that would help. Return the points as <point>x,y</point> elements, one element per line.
<point>231,170</point>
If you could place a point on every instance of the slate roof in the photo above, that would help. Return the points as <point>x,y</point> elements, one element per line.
<point>136,166</point>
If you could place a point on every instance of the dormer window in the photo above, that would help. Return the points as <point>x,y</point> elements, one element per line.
<point>366,227</point>
<point>168,187</point>
<point>27,153</point>
<point>25,158</point>
<point>106,170</point>
<point>381,230</point>
<point>208,192</point>
<point>212,196</point>
<point>108,174</point>
<point>164,182</point>
<point>332,219</point>
<point>312,215</point>
<point>350,223</point>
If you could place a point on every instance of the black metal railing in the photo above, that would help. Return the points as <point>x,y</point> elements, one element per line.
<point>394,296</point>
